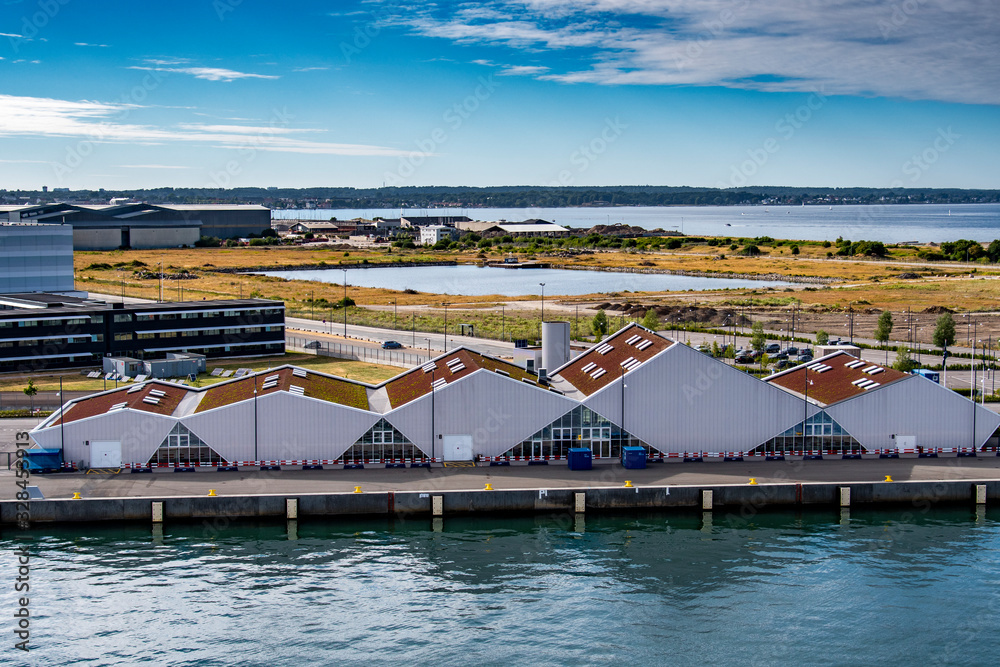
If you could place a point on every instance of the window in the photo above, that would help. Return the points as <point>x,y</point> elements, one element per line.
<point>211,332</point>
<point>6,323</point>
<point>184,447</point>
<point>145,336</point>
<point>97,319</point>
<point>78,320</point>
<point>97,338</point>
<point>189,316</point>
<point>144,318</point>
<point>190,332</point>
<point>168,316</point>
<point>123,336</point>
<point>28,323</point>
<point>126,317</point>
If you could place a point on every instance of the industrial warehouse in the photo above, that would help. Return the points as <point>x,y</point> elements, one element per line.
<point>636,388</point>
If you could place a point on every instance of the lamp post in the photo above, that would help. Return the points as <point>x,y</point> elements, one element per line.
<point>428,348</point>
<point>433,434</point>
<point>543,301</point>
<point>255,418</point>
<point>62,422</point>
<point>445,327</point>
<point>161,282</point>
<point>345,303</point>
<point>312,305</point>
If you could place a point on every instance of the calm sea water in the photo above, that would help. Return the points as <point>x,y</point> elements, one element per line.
<point>471,280</point>
<point>889,224</point>
<point>813,588</point>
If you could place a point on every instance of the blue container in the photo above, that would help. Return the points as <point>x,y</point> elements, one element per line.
<point>43,460</point>
<point>580,458</point>
<point>633,458</point>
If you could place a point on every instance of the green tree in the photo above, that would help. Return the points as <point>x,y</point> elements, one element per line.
<point>795,249</point>
<point>716,350</point>
<point>904,363</point>
<point>30,392</point>
<point>650,320</point>
<point>758,341</point>
<point>882,330</point>
<point>599,324</point>
<point>822,337</point>
<point>944,331</point>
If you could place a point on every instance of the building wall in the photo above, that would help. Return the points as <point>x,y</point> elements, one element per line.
<point>914,406</point>
<point>97,238</point>
<point>684,401</point>
<point>496,411</point>
<point>36,258</point>
<point>139,432</point>
<point>163,237</point>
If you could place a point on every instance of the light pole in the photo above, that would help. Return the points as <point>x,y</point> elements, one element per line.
<point>312,305</point>
<point>428,348</point>
<point>161,282</point>
<point>345,303</point>
<point>255,418</point>
<point>543,302</point>
<point>445,327</point>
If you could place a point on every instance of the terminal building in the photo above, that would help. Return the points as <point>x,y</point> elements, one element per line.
<point>35,258</point>
<point>635,388</point>
<point>47,331</point>
<point>144,226</point>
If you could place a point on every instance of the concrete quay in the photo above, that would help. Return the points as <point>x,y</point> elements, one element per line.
<point>522,489</point>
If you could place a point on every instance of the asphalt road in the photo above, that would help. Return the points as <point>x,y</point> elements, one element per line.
<point>292,482</point>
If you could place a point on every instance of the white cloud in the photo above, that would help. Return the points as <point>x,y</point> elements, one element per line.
<point>310,69</point>
<point>12,35</point>
<point>103,46</point>
<point>96,122</point>
<point>926,49</point>
<point>206,73</point>
<point>152,166</point>
<point>522,70</point>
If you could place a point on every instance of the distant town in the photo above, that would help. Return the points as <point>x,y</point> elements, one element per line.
<point>504,196</point>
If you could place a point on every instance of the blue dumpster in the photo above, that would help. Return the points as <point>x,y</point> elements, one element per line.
<point>580,458</point>
<point>633,458</point>
<point>43,460</point>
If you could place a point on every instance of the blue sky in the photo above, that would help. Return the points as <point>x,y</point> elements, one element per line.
<point>538,92</point>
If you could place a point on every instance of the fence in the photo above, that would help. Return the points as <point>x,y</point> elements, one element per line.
<point>374,355</point>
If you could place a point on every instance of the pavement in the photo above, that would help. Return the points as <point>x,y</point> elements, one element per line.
<point>555,475</point>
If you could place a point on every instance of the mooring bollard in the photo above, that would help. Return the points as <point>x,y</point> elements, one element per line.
<point>157,511</point>
<point>291,508</point>
<point>580,503</point>
<point>706,499</point>
<point>845,496</point>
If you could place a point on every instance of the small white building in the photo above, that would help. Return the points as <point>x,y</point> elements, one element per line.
<point>431,234</point>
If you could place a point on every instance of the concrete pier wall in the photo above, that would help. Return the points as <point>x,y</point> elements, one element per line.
<point>739,498</point>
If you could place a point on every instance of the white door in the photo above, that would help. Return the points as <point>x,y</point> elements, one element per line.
<point>906,442</point>
<point>106,454</point>
<point>458,448</point>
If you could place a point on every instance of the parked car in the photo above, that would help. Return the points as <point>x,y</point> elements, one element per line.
<point>791,350</point>
<point>312,345</point>
<point>804,358</point>
<point>744,358</point>
<point>784,363</point>
<point>772,348</point>
<point>806,350</point>
<point>391,345</point>
<point>779,355</point>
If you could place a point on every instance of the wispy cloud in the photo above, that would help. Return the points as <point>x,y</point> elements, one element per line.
<point>103,46</point>
<point>206,73</point>
<point>929,49</point>
<point>152,166</point>
<point>12,35</point>
<point>310,69</point>
<point>522,70</point>
<point>96,122</point>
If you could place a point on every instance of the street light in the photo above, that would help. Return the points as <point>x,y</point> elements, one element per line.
<point>428,347</point>
<point>543,301</point>
<point>345,303</point>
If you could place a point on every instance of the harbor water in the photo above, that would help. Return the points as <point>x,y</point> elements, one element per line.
<point>896,587</point>
<point>923,223</point>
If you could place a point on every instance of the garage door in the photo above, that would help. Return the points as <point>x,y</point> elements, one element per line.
<point>106,454</point>
<point>458,448</point>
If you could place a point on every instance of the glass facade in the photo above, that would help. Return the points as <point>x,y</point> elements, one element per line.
<point>580,427</point>
<point>183,446</point>
<point>36,258</point>
<point>821,432</point>
<point>382,441</point>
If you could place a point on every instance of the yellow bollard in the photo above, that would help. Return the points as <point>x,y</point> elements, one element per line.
<point>753,481</point>
<point>888,478</point>
<point>357,489</point>
<point>76,496</point>
<point>489,487</point>
<point>628,484</point>
<point>212,492</point>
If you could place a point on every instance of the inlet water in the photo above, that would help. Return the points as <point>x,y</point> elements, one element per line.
<point>468,280</point>
<point>895,588</point>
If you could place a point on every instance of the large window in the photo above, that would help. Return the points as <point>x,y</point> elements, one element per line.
<point>181,446</point>
<point>381,442</point>
<point>821,433</point>
<point>580,427</point>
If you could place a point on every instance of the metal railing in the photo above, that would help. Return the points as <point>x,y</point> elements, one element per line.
<point>372,355</point>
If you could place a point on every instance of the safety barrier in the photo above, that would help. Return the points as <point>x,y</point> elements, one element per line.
<point>663,456</point>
